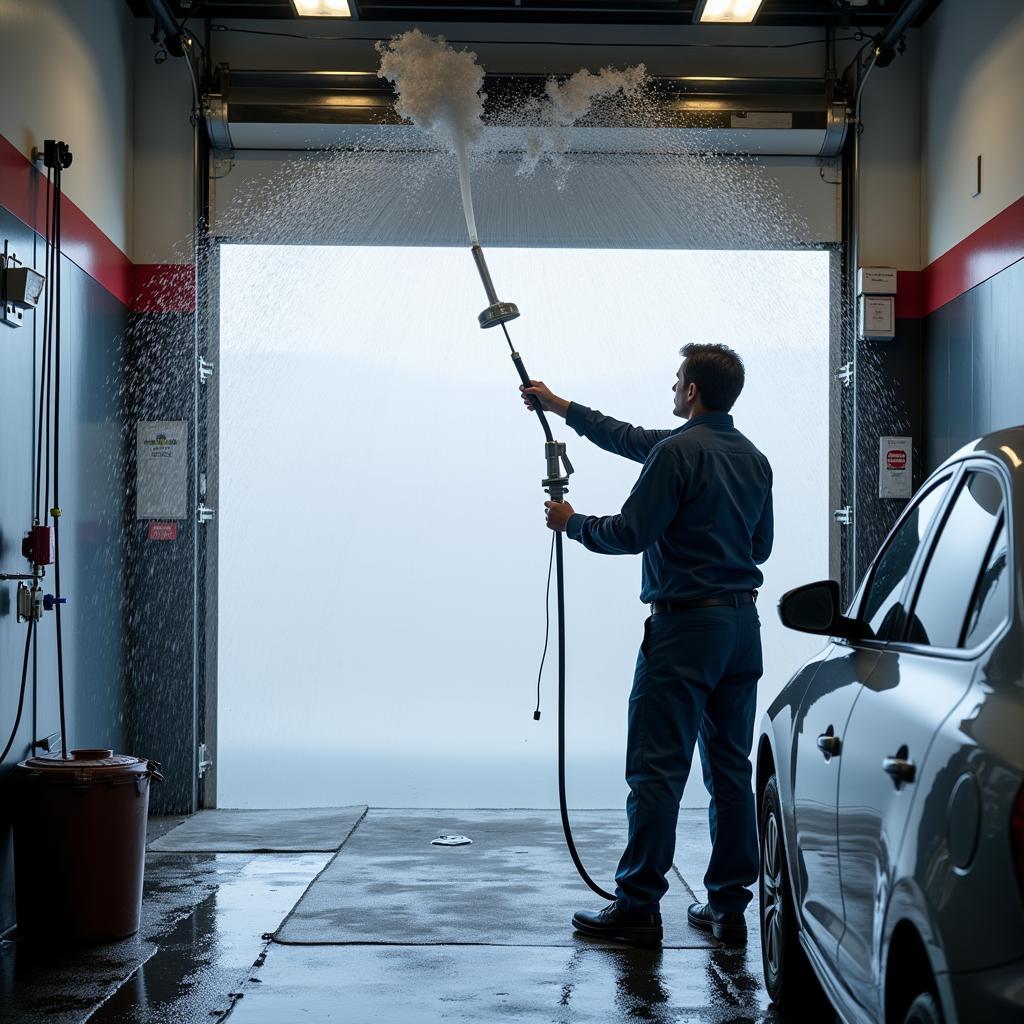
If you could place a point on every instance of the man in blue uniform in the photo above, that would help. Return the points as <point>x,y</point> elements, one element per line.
<point>701,513</point>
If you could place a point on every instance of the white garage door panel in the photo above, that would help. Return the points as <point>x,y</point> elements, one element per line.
<point>609,200</point>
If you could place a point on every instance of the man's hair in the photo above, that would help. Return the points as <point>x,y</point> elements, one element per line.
<point>718,373</point>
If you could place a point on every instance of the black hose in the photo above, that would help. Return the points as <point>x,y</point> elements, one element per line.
<point>58,202</point>
<point>525,378</point>
<point>21,693</point>
<point>45,348</point>
<point>560,600</point>
<point>547,625</point>
<point>566,828</point>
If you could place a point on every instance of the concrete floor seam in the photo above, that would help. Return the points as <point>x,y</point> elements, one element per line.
<point>316,878</point>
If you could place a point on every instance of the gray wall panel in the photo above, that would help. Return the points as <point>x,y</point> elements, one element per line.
<point>92,497</point>
<point>974,364</point>
<point>17,350</point>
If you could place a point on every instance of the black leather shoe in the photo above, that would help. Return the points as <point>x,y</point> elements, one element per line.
<point>619,925</point>
<point>728,928</point>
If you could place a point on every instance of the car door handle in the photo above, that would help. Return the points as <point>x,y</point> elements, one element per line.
<point>829,744</point>
<point>900,768</point>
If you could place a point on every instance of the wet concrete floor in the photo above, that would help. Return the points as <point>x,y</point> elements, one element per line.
<point>205,952</point>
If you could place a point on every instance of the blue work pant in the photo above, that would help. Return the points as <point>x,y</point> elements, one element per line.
<point>695,683</point>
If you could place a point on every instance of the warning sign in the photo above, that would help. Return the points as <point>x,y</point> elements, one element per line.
<point>161,458</point>
<point>895,467</point>
<point>162,531</point>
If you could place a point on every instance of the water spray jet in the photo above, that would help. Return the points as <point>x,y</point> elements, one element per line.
<point>441,89</point>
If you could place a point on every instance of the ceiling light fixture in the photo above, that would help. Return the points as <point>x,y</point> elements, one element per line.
<point>726,12</point>
<point>322,8</point>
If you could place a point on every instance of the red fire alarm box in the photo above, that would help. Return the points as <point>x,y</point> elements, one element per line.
<point>37,546</point>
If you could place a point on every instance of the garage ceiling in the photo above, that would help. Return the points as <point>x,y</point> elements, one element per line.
<point>875,13</point>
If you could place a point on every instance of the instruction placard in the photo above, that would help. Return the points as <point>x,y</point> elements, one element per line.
<point>161,469</point>
<point>895,467</point>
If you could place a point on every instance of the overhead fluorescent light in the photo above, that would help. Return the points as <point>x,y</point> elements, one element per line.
<point>735,12</point>
<point>322,8</point>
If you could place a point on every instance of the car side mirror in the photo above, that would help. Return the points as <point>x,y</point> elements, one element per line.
<point>816,608</point>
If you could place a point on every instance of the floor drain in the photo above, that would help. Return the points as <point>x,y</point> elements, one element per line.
<point>451,840</point>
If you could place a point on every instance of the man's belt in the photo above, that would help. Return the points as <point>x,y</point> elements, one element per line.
<point>725,600</point>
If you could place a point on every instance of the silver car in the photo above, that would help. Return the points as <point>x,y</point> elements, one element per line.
<point>890,769</point>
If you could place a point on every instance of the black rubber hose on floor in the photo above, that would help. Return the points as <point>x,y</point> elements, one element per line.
<point>560,594</point>
<point>560,602</point>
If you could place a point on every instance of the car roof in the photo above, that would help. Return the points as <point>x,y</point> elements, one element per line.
<point>1006,446</point>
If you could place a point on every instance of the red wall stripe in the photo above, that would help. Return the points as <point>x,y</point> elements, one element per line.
<point>164,288</point>
<point>145,288</point>
<point>910,294</point>
<point>996,245</point>
<point>23,192</point>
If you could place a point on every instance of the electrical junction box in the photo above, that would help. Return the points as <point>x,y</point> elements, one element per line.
<point>895,467</point>
<point>876,281</point>
<point>877,316</point>
<point>38,546</point>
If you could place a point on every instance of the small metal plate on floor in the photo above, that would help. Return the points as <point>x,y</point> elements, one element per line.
<point>451,840</point>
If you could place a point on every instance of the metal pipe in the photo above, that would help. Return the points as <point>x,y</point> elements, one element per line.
<point>485,274</point>
<point>881,50</point>
<point>901,22</point>
<point>168,25</point>
<point>497,312</point>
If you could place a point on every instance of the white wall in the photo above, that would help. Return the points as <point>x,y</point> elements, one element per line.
<point>67,67</point>
<point>163,155</point>
<point>890,213</point>
<point>973,78</point>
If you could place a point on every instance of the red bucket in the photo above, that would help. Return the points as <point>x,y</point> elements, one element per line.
<point>80,844</point>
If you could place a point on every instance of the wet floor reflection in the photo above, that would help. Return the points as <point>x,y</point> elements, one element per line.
<point>647,988</point>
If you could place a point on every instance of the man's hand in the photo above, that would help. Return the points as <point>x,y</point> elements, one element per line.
<point>538,391</point>
<point>557,514</point>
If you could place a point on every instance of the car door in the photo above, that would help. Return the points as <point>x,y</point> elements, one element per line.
<point>891,727</point>
<point>820,725</point>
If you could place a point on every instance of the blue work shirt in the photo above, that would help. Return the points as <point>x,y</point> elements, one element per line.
<point>701,510</point>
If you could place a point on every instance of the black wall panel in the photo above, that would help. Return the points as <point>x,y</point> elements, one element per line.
<point>974,364</point>
<point>889,403</point>
<point>92,497</point>
<point>164,605</point>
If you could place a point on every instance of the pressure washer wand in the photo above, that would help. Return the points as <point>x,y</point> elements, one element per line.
<point>556,484</point>
<point>499,312</point>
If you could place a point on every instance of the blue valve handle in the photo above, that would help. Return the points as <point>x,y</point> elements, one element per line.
<point>50,601</point>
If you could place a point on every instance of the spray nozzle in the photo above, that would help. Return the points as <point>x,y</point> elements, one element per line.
<point>497,312</point>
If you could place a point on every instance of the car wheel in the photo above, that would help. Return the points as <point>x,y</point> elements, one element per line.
<point>923,1010</point>
<point>788,975</point>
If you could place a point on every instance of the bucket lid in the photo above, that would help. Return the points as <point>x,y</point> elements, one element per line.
<point>84,765</point>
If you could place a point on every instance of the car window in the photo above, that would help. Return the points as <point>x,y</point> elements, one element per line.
<point>957,558</point>
<point>882,610</point>
<point>991,603</point>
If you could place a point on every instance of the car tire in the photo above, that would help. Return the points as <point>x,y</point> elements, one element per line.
<point>923,1010</point>
<point>788,975</point>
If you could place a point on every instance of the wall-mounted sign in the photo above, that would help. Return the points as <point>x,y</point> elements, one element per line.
<point>895,467</point>
<point>877,316</point>
<point>161,469</point>
<point>162,531</point>
<point>876,281</point>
